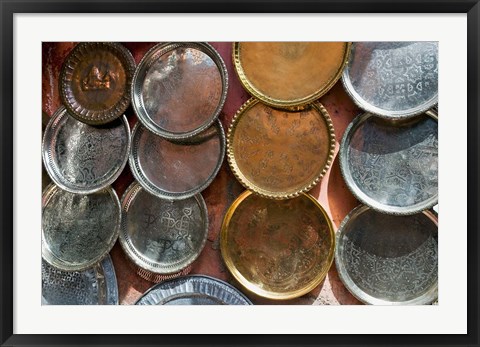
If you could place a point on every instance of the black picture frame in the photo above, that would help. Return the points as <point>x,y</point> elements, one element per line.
<point>9,8</point>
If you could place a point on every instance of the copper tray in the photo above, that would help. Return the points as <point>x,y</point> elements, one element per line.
<point>389,260</point>
<point>278,153</point>
<point>289,74</point>
<point>278,249</point>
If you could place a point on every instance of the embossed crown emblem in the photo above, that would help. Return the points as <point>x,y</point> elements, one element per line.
<point>95,80</point>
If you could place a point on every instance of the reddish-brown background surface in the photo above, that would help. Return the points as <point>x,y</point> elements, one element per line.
<point>332,192</point>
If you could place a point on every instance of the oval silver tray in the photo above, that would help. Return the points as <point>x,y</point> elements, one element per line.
<point>94,286</point>
<point>193,290</point>
<point>389,260</point>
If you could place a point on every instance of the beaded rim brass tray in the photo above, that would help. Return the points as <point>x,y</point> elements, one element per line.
<point>303,89</point>
<point>279,154</point>
<point>278,249</point>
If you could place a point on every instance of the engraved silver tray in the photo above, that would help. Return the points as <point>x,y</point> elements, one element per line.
<point>389,260</point>
<point>392,166</point>
<point>179,89</point>
<point>94,286</point>
<point>393,79</point>
<point>162,236</point>
<point>78,230</point>
<point>176,169</point>
<point>193,290</point>
<point>82,158</point>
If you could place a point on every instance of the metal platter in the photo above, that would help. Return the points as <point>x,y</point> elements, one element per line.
<point>179,89</point>
<point>162,236</point>
<point>392,166</point>
<point>95,81</point>
<point>393,79</point>
<point>278,153</point>
<point>389,260</point>
<point>289,74</point>
<point>278,249</point>
<point>94,286</point>
<point>176,169</point>
<point>82,158</point>
<point>193,290</point>
<point>78,230</point>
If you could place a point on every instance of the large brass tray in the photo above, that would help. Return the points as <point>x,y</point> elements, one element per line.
<point>278,249</point>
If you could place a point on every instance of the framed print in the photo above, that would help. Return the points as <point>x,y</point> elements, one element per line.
<point>220,166</point>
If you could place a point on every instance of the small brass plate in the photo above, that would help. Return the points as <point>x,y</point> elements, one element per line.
<point>278,153</point>
<point>278,249</point>
<point>289,74</point>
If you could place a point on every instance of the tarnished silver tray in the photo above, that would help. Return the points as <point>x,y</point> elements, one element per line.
<point>389,260</point>
<point>94,286</point>
<point>179,89</point>
<point>82,158</point>
<point>78,230</point>
<point>176,169</point>
<point>392,166</point>
<point>393,79</point>
<point>193,290</point>
<point>162,236</point>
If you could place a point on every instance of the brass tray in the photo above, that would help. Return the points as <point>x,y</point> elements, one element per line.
<point>278,249</point>
<point>278,153</point>
<point>289,74</point>
<point>389,260</point>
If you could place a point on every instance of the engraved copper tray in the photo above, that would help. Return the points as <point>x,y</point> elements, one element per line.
<point>393,79</point>
<point>289,74</point>
<point>392,166</point>
<point>179,88</point>
<point>389,260</point>
<point>193,290</point>
<point>278,153</point>
<point>94,286</point>
<point>78,230</point>
<point>278,249</point>
<point>162,236</point>
<point>176,169</point>
<point>82,158</point>
<point>95,81</point>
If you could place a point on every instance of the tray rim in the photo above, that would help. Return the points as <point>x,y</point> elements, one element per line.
<point>252,287</point>
<point>352,186</point>
<point>292,104</point>
<point>146,61</point>
<point>269,194</point>
<point>426,298</point>
<point>361,103</point>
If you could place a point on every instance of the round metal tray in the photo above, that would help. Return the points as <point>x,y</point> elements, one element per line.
<point>193,290</point>
<point>176,169</point>
<point>389,260</point>
<point>95,81</point>
<point>94,286</point>
<point>289,74</point>
<point>78,231</point>
<point>82,158</point>
<point>277,153</point>
<point>278,249</point>
<point>393,79</point>
<point>162,236</point>
<point>179,89</point>
<point>392,166</point>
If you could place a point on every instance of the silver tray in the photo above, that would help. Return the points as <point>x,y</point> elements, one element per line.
<point>392,166</point>
<point>193,290</point>
<point>82,158</point>
<point>393,79</point>
<point>94,286</point>
<point>176,169</point>
<point>179,89</point>
<point>389,260</point>
<point>78,230</point>
<point>162,236</point>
